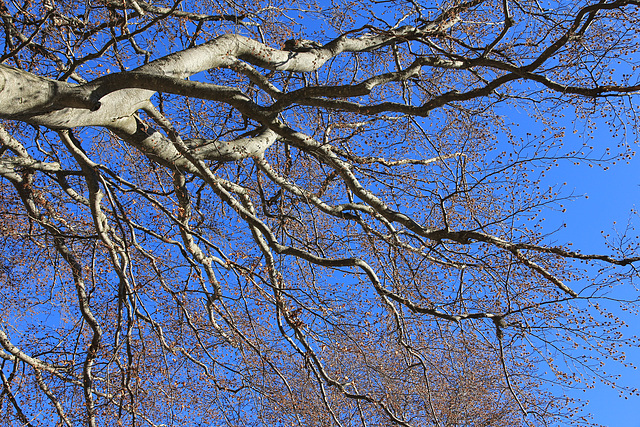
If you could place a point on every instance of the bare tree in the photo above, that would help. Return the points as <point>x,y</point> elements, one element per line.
<point>225,213</point>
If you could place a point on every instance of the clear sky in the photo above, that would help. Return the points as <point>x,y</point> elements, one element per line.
<point>612,195</point>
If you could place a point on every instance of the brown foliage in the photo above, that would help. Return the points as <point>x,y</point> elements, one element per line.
<point>263,214</point>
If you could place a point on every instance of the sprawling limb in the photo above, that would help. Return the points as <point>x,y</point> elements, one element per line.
<point>320,230</point>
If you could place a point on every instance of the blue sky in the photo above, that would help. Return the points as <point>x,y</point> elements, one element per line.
<point>612,195</point>
<point>602,198</point>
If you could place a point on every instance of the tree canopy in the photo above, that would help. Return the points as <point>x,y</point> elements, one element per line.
<point>308,213</point>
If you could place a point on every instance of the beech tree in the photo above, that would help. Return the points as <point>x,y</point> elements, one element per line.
<point>312,213</point>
